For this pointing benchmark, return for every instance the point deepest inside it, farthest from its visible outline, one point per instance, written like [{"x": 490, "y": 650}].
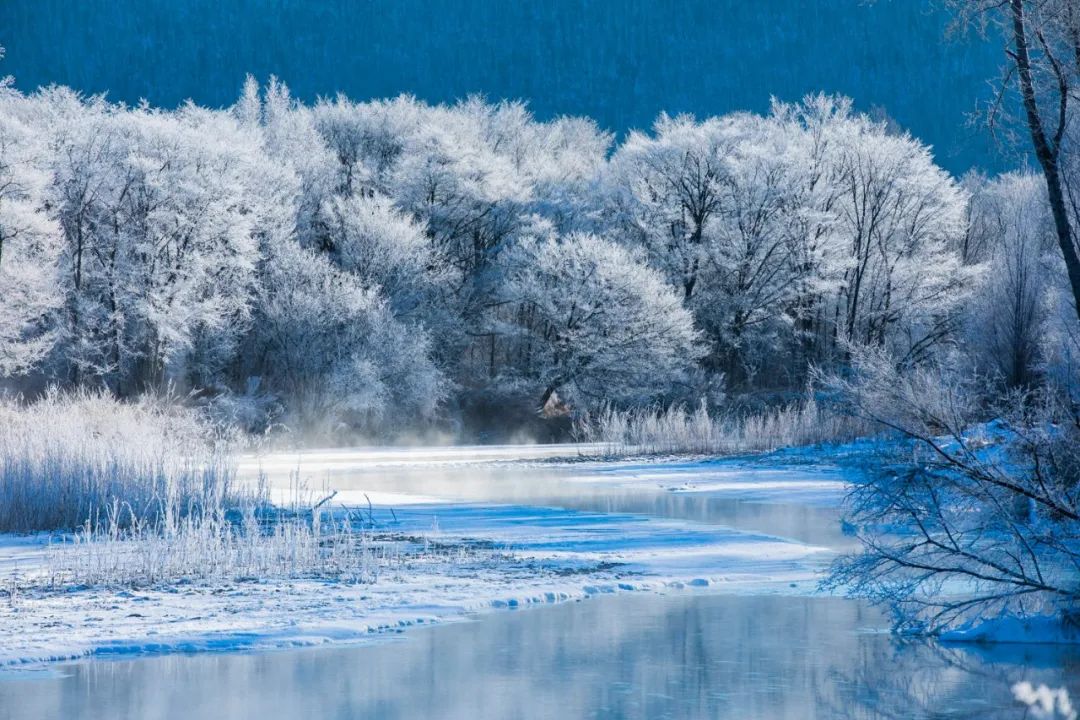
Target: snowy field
[{"x": 480, "y": 529}]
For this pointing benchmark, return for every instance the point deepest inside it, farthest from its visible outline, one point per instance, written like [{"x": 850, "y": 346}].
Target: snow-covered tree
[
  {"x": 1014, "y": 241},
  {"x": 29, "y": 244},
  {"x": 470, "y": 250},
  {"x": 597, "y": 323},
  {"x": 673, "y": 182},
  {"x": 160, "y": 235},
  {"x": 292, "y": 141},
  {"x": 1042, "y": 50},
  {"x": 992, "y": 511},
  {"x": 385, "y": 249},
  {"x": 334, "y": 349},
  {"x": 438, "y": 163},
  {"x": 899, "y": 215},
  {"x": 810, "y": 225},
  {"x": 755, "y": 249}
]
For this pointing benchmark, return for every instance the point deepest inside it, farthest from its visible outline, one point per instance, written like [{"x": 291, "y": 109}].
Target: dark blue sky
[{"x": 619, "y": 61}]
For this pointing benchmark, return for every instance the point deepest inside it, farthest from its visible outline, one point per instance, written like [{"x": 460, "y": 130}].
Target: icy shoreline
[
  {"x": 534, "y": 555},
  {"x": 235, "y": 617}
]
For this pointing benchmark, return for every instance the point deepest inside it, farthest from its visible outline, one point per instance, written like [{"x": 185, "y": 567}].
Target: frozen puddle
[{"x": 508, "y": 533}]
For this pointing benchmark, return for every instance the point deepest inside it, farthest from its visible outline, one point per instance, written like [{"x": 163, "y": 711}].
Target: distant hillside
[{"x": 619, "y": 61}]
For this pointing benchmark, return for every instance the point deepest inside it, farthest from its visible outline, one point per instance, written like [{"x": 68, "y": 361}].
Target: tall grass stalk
[{"x": 257, "y": 545}]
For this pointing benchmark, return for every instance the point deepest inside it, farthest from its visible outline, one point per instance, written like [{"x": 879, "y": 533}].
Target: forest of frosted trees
[
  {"x": 391, "y": 265},
  {"x": 393, "y": 269}
]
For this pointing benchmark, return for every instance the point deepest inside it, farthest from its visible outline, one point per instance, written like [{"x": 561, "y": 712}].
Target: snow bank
[
  {"x": 1014, "y": 629},
  {"x": 531, "y": 556}
]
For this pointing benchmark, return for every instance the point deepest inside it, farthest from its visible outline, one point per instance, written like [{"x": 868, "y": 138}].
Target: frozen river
[{"x": 727, "y": 623}]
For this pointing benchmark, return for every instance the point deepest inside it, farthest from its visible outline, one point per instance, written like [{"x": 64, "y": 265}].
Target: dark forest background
[{"x": 620, "y": 62}]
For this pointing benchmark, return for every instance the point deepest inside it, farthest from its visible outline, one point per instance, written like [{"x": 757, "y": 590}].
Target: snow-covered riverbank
[{"x": 462, "y": 554}]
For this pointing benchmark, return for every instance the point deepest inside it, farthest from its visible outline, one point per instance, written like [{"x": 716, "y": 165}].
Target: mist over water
[{"x": 519, "y": 475}]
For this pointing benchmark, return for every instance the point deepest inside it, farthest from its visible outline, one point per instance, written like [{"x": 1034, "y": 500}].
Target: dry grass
[
  {"x": 680, "y": 430},
  {"x": 67, "y": 459},
  {"x": 146, "y": 493}
]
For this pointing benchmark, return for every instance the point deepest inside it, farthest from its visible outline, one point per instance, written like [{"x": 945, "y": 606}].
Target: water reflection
[
  {"x": 631, "y": 656},
  {"x": 929, "y": 680}
]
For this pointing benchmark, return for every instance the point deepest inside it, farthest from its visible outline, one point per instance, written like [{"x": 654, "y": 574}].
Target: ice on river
[{"x": 543, "y": 544}]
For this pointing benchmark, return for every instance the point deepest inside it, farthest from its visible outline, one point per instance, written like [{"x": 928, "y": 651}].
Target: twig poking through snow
[{"x": 325, "y": 500}]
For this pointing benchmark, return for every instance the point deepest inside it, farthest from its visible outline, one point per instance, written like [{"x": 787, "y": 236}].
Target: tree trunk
[
  {"x": 548, "y": 392},
  {"x": 1044, "y": 152}
]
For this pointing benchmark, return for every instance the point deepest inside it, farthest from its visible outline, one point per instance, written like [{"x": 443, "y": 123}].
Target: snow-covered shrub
[
  {"x": 978, "y": 514},
  {"x": 253, "y": 412}
]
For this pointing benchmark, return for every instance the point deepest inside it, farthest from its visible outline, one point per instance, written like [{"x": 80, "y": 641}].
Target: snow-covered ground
[{"x": 501, "y": 536}]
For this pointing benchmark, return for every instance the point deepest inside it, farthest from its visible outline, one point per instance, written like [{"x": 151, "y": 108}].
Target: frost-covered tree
[
  {"x": 386, "y": 250},
  {"x": 596, "y": 322},
  {"x": 438, "y": 163},
  {"x": 160, "y": 235},
  {"x": 470, "y": 251},
  {"x": 334, "y": 350},
  {"x": 475, "y": 177},
  {"x": 346, "y": 291},
  {"x": 898, "y": 216},
  {"x": 1013, "y": 233},
  {"x": 29, "y": 244},
  {"x": 811, "y": 226},
  {"x": 755, "y": 248},
  {"x": 719, "y": 206},
  {"x": 1043, "y": 54},
  {"x": 673, "y": 184},
  {"x": 291, "y": 140},
  {"x": 470, "y": 172},
  {"x": 983, "y": 521}
]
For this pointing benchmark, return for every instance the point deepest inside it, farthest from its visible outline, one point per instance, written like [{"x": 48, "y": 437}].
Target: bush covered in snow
[{"x": 978, "y": 514}]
